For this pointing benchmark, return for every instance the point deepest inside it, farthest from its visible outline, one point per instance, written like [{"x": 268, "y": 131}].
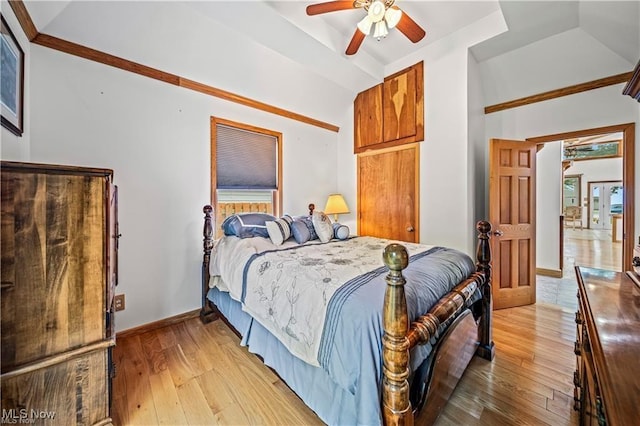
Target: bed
[{"x": 364, "y": 330}]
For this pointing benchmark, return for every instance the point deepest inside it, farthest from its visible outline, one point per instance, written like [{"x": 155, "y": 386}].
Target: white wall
[
  {"x": 548, "y": 206},
  {"x": 12, "y": 147},
  {"x": 478, "y": 147},
  {"x": 562, "y": 60},
  {"x": 156, "y": 137},
  {"x": 448, "y": 202},
  {"x": 565, "y": 59},
  {"x": 210, "y": 50}
]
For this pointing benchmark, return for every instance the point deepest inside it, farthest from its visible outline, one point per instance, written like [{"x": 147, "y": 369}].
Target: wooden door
[
  {"x": 388, "y": 193},
  {"x": 512, "y": 207}
]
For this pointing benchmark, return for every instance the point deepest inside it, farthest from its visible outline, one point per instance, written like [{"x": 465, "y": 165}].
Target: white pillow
[
  {"x": 322, "y": 226},
  {"x": 279, "y": 230}
]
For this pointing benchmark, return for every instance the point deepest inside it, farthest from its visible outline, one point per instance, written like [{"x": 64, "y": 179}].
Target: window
[
  {"x": 608, "y": 149},
  {"x": 572, "y": 190},
  {"x": 246, "y": 169}
]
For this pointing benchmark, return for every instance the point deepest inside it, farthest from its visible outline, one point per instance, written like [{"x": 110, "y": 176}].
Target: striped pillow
[{"x": 280, "y": 229}]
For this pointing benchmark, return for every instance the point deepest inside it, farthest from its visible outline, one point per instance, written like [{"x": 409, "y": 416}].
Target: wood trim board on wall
[
  {"x": 85, "y": 52},
  {"x": 557, "y": 93},
  {"x": 159, "y": 324}
]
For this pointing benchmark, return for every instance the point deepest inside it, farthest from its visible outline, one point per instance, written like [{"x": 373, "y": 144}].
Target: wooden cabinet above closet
[{"x": 391, "y": 113}]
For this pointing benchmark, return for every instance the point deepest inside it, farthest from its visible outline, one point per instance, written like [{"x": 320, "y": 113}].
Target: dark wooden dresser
[
  {"x": 607, "y": 378},
  {"x": 58, "y": 269}
]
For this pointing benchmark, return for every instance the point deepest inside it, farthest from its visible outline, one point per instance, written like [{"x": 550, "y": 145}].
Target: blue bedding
[{"x": 345, "y": 389}]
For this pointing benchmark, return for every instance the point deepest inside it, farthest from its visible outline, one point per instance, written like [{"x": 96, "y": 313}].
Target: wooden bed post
[
  {"x": 486, "y": 349},
  {"x": 396, "y": 407},
  {"x": 207, "y": 314}
]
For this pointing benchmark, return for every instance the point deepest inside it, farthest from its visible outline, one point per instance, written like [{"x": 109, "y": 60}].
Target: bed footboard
[{"x": 398, "y": 338}]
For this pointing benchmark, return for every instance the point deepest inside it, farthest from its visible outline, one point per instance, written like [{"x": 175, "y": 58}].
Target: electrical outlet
[{"x": 118, "y": 302}]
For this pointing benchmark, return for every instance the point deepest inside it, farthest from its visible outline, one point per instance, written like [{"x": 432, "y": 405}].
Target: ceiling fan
[{"x": 381, "y": 15}]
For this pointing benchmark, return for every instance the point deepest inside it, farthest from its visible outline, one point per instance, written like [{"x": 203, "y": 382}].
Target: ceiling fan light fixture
[
  {"x": 365, "y": 25},
  {"x": 376, "y": 11},
  {"x": 381, "y": 30},
  {"x": 392, "y": 17}
]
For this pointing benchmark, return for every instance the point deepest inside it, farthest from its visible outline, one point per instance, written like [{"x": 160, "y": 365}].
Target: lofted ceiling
[{"x": 319, "y": 42}]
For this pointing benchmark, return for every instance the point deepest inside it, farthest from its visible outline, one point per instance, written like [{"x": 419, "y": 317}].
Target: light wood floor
[
  {"x": 195, "y": 374},
  {"x": 591, "y": 247},
  {"x": 582, "y": 247}
]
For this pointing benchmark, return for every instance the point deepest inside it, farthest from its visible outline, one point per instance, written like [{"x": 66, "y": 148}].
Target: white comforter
[{"x": 288, "y": 287}]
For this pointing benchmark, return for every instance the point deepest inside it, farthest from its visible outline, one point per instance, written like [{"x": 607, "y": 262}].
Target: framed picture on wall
[{"x": 12, "y": 80}]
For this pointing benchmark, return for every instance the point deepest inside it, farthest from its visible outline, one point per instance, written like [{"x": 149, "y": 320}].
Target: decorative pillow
[
  {"x": 280, "y": 229},
  {"x": 322, "y": 225},
  {"x": 340, "y": 232},
  {"x": 247, "y": 225},
  {"x": 300, "y": 232}
]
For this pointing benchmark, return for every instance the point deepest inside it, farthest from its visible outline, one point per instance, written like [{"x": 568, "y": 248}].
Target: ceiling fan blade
[
  {"x": 329, "y": 6},
  {"x": 410, "y": 28},
  {"x": 356, "y": 41}
]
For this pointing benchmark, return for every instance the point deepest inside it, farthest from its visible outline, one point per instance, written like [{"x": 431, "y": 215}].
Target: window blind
[{"x": 245, "y": 159}]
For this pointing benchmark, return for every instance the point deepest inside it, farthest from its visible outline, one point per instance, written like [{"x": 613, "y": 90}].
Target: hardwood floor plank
[
  {"x": 195, "y": 405},
  {"x": 178, "y": 365},
  {"x": 492, "y": 417},
  {"x": 183, "y": 333},
  {"x": 153, "y": 352},
  {"x": 536, "y": 346},
  {"x": 512, "y": 384},
  {"x": 166, "y": 337},
  {"x": 512, "y": 415},
  {"x": 453, "y": 415},
  {"x": 194, "y": 373},
  {"x": 561, "y": 403},
  {"x": 216, "y": 390},
  {"x": 541, "y": 374},
  {"x": 509, "y": 405},
  {"x": 134, "y": 389},
  {"x": 307, "y": 416},
  {"x": 165, "y": 398}
]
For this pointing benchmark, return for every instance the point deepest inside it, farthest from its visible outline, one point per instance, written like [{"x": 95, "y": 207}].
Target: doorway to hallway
[{"x": 605, "y": 245}]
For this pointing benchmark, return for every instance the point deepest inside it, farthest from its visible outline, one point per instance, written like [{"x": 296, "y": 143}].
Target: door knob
[
  {"x": 410, "y": 228},
  {"x": 497, "y": 233}
]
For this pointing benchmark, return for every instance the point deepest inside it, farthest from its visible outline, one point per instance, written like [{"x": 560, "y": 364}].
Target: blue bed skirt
[
  {"x": 313, "y": 385},
  {"x": 346, "y": 389}
]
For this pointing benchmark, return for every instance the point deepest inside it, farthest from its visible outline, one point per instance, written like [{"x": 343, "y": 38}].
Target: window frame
[
  {"x": 618, "y": 153},
  {"x": 277, "y": 193}
]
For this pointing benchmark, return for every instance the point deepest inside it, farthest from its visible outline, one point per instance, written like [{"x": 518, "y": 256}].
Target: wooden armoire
[{"x": 59, "y": 269}]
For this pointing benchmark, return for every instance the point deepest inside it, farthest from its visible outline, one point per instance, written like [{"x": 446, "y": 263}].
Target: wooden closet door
[{"x": 388, "y": 193}]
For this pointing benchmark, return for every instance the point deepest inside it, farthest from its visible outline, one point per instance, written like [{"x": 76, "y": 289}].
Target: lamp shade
[{"x": 336, "y": 205}]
